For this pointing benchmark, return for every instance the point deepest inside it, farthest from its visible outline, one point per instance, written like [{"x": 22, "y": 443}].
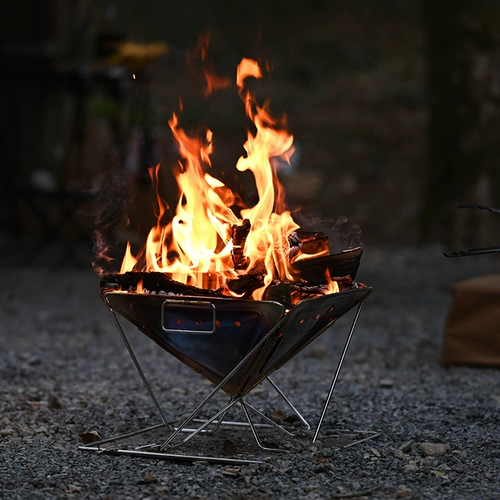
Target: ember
[{"x": 207, "y": 248}]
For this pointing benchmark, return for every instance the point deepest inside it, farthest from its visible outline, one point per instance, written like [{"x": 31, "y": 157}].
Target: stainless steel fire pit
[
  {"x": 234, "y": 343},
  {"x": 233, "y": 291}
]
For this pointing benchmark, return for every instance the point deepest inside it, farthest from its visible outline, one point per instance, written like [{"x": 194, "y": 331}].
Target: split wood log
[
  {"x": 152, "y": 281},
  {"x": 308, "y": 243},
  {"x": 314, "y": 270},
  {"x": 279, "y": 291},
  {"x": 239, "y": 233},
  {"x": 245, "y": 284}
]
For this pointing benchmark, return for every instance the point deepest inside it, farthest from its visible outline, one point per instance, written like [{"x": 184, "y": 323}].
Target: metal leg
[
  {"x": 195, "y": 412},
  {"x": 337, "y": 372},
  {"x": 126, "y": 435},
  {"x": 168, "y": 442},
  {"x": 267, "y": 419},
  {"x": 289, "y": 403},
  {"x": 221, "y": 384},
  {"x": 219, "y": 416},
  {"x": 219, "y": 422},
  {"x": 245, "y": 407},
  {"x": 138, "y": 366}
]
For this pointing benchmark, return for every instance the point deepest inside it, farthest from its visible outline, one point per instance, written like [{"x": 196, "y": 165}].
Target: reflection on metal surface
[{"x": 212, "y": 335}]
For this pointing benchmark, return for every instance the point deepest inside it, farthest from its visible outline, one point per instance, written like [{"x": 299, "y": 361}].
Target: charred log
[
  {"x": 307, "y": 242},
  {"x": 239, "y": 235},
  {"x": 258, "y": 269},
  {"x": 313, "y": 270},
  {"x": 245, "y": 284},
  {"x": 153, "y": 282},
  {"x": 343, "y": 282},
  {"x": 312, "y": 274},
  {"x": 285, "y": 292},
  {"x": 301, "y": 291},
  {"x": 279, "y": 291}
]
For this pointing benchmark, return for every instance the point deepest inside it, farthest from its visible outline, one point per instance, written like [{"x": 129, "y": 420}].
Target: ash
[{"x": 64, "y": 372}]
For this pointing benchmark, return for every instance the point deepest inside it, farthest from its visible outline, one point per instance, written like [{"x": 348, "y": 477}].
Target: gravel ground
[{"x": 64, "y": 371}]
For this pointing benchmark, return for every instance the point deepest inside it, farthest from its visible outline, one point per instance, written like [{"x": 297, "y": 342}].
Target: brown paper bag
[{"x": 472, "y": 329}]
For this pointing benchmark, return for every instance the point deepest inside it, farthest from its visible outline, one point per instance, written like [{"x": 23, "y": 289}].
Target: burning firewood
[
  {"x": 339, "y": 264},
  {"x": 151, "y": 282},
  {"x": 245, "y": 284},
  {"x": 239, "y": 236},
  {"x": 279, "y": 291},
  {"x": 284, "y": 292},
  {"x": 304, "y": 243},
  {"x": 304, "y": 290}
]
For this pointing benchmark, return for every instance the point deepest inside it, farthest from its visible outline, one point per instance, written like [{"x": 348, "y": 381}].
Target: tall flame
[
  {"x": 196, "y": 246},
  {"x": 213, "y": 80},
  {"x": 271, "y": 224}
]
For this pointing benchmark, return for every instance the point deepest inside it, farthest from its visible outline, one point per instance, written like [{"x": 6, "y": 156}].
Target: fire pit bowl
[
  {"x": 212, "y": 335},
  {"x": 208, "y": 334}
]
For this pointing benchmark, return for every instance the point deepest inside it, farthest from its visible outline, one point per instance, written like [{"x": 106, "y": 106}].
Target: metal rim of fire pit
[{"x": 268, "y": 354}]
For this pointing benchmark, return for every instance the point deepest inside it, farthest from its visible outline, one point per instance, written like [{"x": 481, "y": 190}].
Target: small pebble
[
  {"x": 406, "y": 446},
  {"x": 386, "y": 383}
]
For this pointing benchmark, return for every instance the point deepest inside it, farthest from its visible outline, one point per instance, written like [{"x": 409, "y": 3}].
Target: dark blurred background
[{"x": 394, "y": 106}]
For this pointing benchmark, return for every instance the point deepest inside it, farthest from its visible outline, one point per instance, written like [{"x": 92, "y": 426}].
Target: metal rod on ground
[
  {"x": 266, "y": 418},
  {"x": 125, "y": 436},
  {"x": 254, "y": 431},
  {"x": 171, "y": 456},
  {"x": 168, "y": 442}
]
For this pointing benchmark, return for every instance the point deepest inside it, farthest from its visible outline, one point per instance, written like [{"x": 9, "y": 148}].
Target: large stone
[{"x": 433, "y": 449}]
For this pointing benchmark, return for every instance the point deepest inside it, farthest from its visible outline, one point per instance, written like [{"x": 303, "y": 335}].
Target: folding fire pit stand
[{"x": 234, "y": 343}]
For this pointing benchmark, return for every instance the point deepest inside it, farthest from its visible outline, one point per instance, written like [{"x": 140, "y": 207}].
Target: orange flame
[
  {"x": 196, "y": 246},
  {"x": 333, "y": 286},
  {"x": 213, "y": 80},
  {"x": 271, "y": 224},
  {"x": 129, "y": 261}
]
